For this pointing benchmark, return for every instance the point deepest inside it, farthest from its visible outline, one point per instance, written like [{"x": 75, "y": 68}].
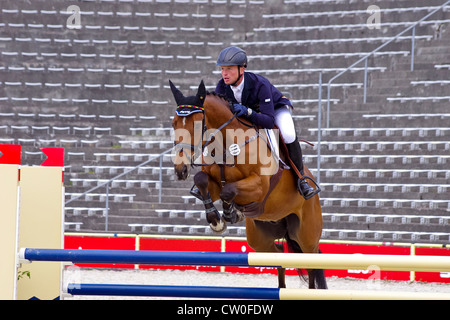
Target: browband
[{"x": 185, "y": 110}]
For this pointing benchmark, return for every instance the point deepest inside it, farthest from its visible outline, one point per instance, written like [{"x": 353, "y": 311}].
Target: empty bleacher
[{"x": 100, "y": 90}]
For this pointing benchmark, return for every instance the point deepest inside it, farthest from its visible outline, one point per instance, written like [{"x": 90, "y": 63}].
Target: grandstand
[{"x": 100, "y": 90}]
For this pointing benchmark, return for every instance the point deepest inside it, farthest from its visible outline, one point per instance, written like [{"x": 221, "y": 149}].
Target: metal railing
[
  {"x": 107, "y": 184},
  {"x": 365, "y": 58},
  {"x": 319, "y": 131}
]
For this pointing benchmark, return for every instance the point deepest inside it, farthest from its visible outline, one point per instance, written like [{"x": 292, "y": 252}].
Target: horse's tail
[
  {"x": 293, "y": 247},
  {"x": 317, "y": 274}
]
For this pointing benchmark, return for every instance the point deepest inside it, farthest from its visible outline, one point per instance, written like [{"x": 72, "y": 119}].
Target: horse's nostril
[{"x": 182, "y": 172}]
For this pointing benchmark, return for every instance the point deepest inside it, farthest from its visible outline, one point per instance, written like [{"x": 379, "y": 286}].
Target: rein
[{"x": 201, "y": 147}]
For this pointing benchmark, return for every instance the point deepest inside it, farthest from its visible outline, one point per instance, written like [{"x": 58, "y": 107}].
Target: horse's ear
[
  {"x": 201, "y": 92},
  {"x": 177, "y": 94}
]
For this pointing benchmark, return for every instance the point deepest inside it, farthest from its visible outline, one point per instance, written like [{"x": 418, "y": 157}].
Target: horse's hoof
[{"x": 218, "y": 227}]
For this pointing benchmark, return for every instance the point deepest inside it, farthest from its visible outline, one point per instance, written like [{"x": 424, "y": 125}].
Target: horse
[{"x": 270, "y": 203}]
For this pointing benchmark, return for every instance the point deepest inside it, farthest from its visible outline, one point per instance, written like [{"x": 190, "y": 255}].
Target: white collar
[
  {"x": 240, "y": 86},
  {"x": 237, "y": 90}
]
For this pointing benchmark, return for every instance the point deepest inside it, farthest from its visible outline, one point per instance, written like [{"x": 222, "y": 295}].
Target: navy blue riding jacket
[{"x": 260, "y": 95}]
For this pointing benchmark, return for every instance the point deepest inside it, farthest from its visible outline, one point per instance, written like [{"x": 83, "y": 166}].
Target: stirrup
[{"x": 312, "y": 194}]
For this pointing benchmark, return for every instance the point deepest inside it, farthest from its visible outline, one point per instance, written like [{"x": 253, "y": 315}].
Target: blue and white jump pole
[
  {"x": 244, "y": 292},
  {"x": 285, "y": 260}
]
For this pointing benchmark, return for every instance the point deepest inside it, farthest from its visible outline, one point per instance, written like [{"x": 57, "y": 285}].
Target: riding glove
[{"x": 240, "y": 110}]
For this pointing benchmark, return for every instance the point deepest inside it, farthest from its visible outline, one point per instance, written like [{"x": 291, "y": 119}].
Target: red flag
[
  {"x": 55, "y": 157},
  {"x": 10, "y": 153}
]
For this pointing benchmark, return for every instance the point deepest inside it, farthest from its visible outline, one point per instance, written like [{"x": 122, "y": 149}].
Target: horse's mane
[
  {"x": 229, "y": 104},
  {"x": 219, "y": 95}
]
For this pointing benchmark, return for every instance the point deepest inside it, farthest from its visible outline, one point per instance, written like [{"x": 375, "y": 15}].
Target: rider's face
[{"x": 231, "y": 73}]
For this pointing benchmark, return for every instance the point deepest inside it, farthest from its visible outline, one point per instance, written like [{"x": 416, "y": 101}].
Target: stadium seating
[{"x": 100, "y": 90}]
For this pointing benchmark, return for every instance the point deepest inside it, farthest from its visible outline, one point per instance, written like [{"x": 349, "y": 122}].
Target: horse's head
[{"x": 187, "y": 125}]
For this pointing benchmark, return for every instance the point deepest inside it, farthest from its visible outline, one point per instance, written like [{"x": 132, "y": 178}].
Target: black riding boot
[{"x": 295, "y": 153}]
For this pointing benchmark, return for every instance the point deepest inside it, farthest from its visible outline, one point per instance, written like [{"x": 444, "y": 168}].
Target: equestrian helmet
[{"x": 232, "y": 56}]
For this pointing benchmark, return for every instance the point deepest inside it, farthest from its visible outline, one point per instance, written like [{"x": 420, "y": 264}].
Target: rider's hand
[{"x": 240, "y": 110}]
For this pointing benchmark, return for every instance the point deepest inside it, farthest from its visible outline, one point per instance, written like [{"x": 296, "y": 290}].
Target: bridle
[
  {"x": 180, "y": 146},
  {"x": 199, "y": 148}
]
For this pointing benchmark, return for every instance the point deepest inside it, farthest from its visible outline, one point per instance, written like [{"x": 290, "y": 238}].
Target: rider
[{"x": 256, "y": 99}]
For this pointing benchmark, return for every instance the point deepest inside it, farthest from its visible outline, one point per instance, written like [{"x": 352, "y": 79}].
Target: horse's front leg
[
  {"x": 206, "y": 188},
  {"x": 230, "y": 214},
  {"x": 246, "y": 191}
]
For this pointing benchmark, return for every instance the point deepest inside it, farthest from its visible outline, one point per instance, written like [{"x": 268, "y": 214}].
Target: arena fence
[{"x": 108, "y": 183}]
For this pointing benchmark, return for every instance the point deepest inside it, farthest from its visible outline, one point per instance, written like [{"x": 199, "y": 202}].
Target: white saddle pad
[{"x": 272, "y": 139}]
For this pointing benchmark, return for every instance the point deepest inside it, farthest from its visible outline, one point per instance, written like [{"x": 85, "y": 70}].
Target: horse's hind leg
[
  {"x": 262, "y": 239},
  {"x": 212, "y": 214},
  {"x": 308, "y": 236},
  {"x": 230, "y": 213},
  {"x": 317, "y": 279},
  {"x": 281, "y": 271}
]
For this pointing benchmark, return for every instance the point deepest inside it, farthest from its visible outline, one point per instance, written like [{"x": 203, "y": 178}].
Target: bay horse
[{"x": 271, "y": 204}]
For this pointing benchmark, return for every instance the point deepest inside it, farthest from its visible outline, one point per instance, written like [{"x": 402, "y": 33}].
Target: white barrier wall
[
  {"x": 32, "y": 214},
  {"x": 9, "y": 184},
  {"x": 41, "y": 224}
]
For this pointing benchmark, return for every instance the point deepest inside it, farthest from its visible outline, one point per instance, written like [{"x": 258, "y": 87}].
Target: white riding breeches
[{"x": 284, "y": 121}]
